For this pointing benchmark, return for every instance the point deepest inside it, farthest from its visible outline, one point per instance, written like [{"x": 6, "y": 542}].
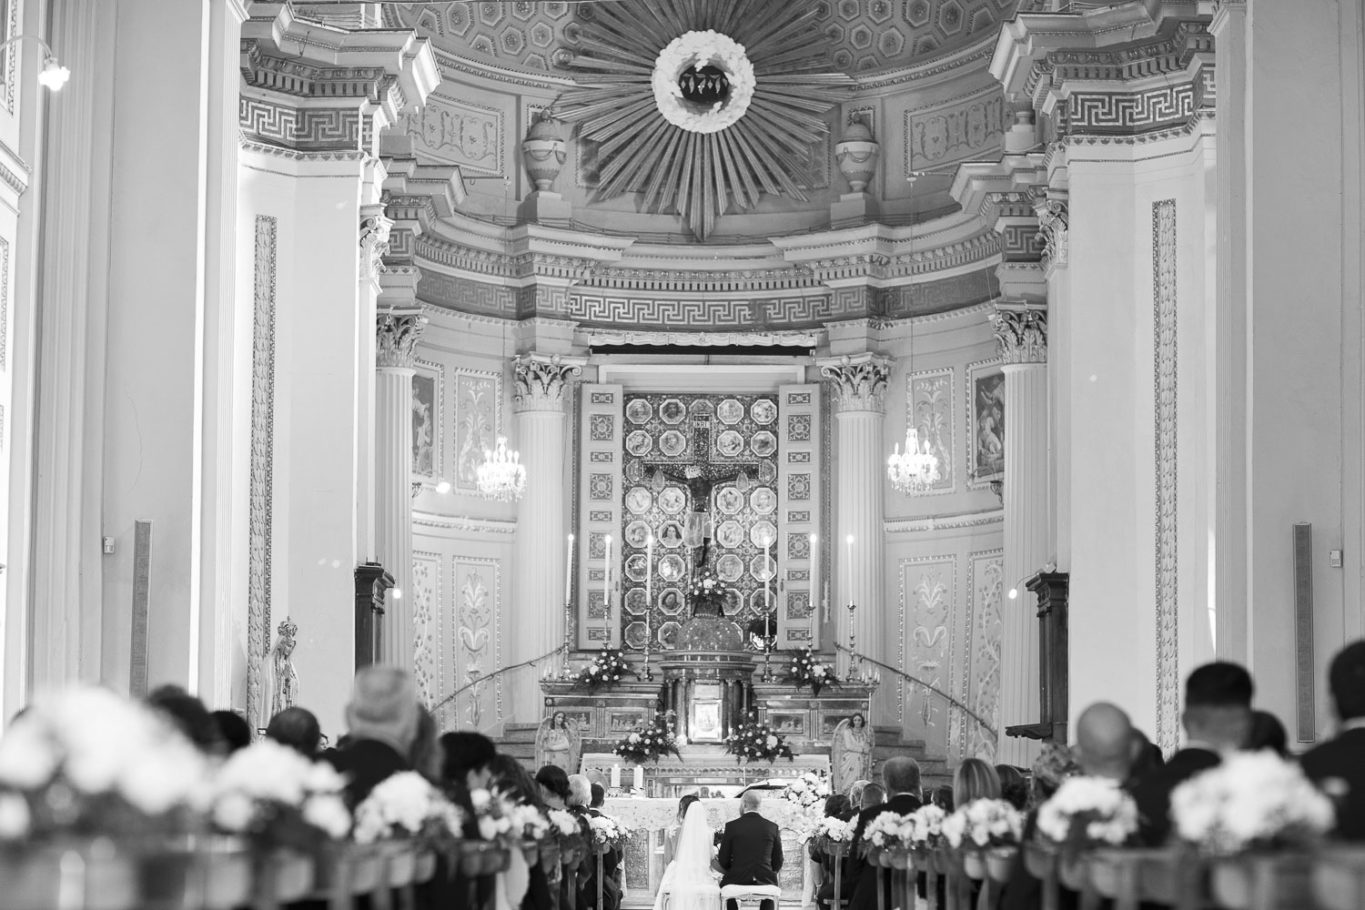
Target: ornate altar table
[{"x": 701, "y": 768}]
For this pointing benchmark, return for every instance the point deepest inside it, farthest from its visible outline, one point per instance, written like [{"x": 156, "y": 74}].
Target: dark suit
[
  {"x": 365, "y": 763},
  {"x": 750, "y": 852},
  {"x": 1342, "y": 758},
  {"x": 1152, "y": 792},
  {"x": 611, "y": 878},
  {"x": 864, "y": 876}
]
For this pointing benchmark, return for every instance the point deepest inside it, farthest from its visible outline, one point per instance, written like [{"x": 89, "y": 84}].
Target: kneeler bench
[{"x": 750, "y": 897}]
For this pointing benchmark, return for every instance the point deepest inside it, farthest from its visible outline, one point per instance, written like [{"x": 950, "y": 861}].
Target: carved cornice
[
  {"x": 1021, "y": 331},
  {"x": 859, "y": 381},
  {"x": 595, "y": 337},
  {"x": 478, "y": 526},
  {"x": 396, "y": 339},
  {"x": 1051, "y": 208},
  {"x": 943, "y": 522},
  {"x": 539, "y": 381}
]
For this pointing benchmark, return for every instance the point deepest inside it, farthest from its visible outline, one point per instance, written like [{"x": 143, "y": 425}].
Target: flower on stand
[
  {"x": 926, "y": 826},
  {"x": 495, "y": 817},
  {"x": 86, "y": 761},
  {"x": 888, "y": 831},
  {"x": 277, "y": 798},
  {"x": 1088, "y": 812},
  {"x": 649, "y": 742},
  {"x": 807, "y": 671},
  {"x": 607, "y": 833},
  {"x": 1252, "y": 800},
  {"x": 706, "y": 592},
  {"x": 563, "y": 823},
  {"x": 605, "y": 671},
  {"x": 984, "y": 823},
  {"x": 833, "y": 829},
  {"x": 754, "y": 741},
  {"x": 406, "y": 805},
  {"x": 808, "y": 794}
]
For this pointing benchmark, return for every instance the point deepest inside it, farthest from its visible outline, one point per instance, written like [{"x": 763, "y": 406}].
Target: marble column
[
  {"x": 859, "y": 410},
  {"x": 539, "y": 552},
  {"x": 1021, "y": 330},
  {"x": 396, "y": 342}
]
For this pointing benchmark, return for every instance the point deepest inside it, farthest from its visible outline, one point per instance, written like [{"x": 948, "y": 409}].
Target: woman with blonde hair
[{"x": 975, "y": 779}]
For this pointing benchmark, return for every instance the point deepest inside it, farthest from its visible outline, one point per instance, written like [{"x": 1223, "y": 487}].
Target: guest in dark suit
[
  {"x": 1217, "y": 719},
  {"x": 750, "y": 848},
  {"x": 901, "y": 778},
  {"x": 1338, "y": 765},
  {"x": 1052, "y": 766},
  {"x": 836, "y": 806},
  {"x": 611, "y": 863},
  {"x": 381, "y": 723}
]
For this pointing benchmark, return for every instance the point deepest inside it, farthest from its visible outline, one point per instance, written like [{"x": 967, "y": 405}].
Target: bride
[{"x": 688, "y": 883}]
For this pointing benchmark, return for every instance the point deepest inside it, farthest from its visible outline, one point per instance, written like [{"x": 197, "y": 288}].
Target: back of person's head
[
  {"x": 1346, "y": 679},
  {"x": 750, "y": 801},
  {"x": 1013, "y": 785},
  {"x": 383, "y": 707},
  {"x": 901, "y": 775},
  {"x": 942, "y": 796},
  {"x": 1218, "y": 705},
  {"x": 975, "y": 779},
  {"x": 685, "y": 802},
  {"x": 296, "y": 728},
  {"x": 855, "y": 791},
  {"x": 1053, "y": 765},
  {"x": 511, "y": 778},
  {"x": 1104, "y": 741},
  {"x": 1267, "y": 733},
  {"x": 837, "y": 806},
  {"x": 1146, "y": 756},
  {"x": 555, "y": 781},
  {"x": 599, "y": 795},
  {"x": 233, "y": 730},
  {"x": 188, "y": 714},
  {"x": 466, "y": 758},
  {"x": 873, "y": 795},
  {"x": 425, "y": 754},
  {"x": 580, "y": 791}
]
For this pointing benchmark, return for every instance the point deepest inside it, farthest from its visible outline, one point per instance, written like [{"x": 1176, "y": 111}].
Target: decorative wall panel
[
  {"x": 965, "y": 128},
  {"x": 456, "y": 132},
  {"x": 798, "y": 623},
  {"x": 985, "y": 423},
  {"x": 932, "y": 405},
  {"x": 601, "y": 463},
  {"x": 981, "y": 687},
  {"x": 428, "y": 425},
  {"x": 927, "y": 594},
  {"x": 471, "y": 632},
  {"x": 478, "y": 423},
  {"x": 1164, "y": 381},
  {"x": 262, "y": 460},
  {"x": 426, "y": 605}
]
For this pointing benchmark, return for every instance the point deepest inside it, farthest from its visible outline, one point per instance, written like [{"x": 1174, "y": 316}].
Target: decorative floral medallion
[{"x": 703, "y": 82}]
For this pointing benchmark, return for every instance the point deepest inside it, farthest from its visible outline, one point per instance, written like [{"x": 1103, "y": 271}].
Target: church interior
[{"x": 690, "y": 395}]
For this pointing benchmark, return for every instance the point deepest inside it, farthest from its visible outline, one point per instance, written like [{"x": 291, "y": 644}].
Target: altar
[{"x": 701, "y": 769}]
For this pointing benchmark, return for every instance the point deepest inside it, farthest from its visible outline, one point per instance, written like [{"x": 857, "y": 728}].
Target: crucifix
[{"x": 701, "y": 478}]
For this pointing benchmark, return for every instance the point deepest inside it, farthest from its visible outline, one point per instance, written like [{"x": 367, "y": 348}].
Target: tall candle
[
  {"x": 649, "y": 585},
  {"x": 606, "y": 576},
  {"x": 767, "y": 584},
  {"x": 568, "y": 572},
  {"x": 639, "y": 778},
  {"x": 616, "y": 777},
  {"x": 814, "y": 571},
  {"x": 848, "y": 567}
]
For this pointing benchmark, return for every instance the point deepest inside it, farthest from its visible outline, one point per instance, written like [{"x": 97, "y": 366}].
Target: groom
[{"x": 750, "y": 849}]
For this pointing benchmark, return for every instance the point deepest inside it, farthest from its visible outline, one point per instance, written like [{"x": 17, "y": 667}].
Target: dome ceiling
[{"x": 863, "y": 35}]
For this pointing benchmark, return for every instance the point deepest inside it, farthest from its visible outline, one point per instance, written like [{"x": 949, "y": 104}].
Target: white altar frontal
[
  {"x": 706, "y": 770},
  {"x": 649, "y": 818}
]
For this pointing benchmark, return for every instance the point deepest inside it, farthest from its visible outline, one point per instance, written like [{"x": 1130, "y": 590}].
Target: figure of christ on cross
[{"x": 701, "y": 479}]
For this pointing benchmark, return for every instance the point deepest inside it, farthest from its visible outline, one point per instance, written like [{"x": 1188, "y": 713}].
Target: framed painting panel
[
  {"x": 788, "y": 723},
  {"x": 621, "y": 721},
  {"x": 985, "y": 423},
  {"x": 428, "y": 394}
]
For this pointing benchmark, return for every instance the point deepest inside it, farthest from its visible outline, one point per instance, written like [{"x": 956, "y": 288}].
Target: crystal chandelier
[
  {"x": 501, "y": 475},
  {"x": 916, "y": 469}
]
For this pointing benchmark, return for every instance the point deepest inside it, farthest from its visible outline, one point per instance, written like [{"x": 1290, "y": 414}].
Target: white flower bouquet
[
  {"x": 926, "y": 826},
  {"x": 406, "y": 805},
  {"x": 494, "y": 816},
  {"x": 758, "y": 742},
  {"x": 834, "y": 829},
  {"x": 984, "y": 823},
  {"x": 86, "y": 761},
  {"x": 563, "y": 823},
  {"x": 275, "y": 797},
  {"x": 1252, "y": 800},
  {"x": 1088, "y": 812},
  {"x": 888, "y": 831},
  {"x": 807, "y": 671},
  {"x": 808, "y": 794},
  {"x": 607, "y": 833}
]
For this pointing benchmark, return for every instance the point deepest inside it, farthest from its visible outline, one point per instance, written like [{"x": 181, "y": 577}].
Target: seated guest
[
  {"x": 855, "y": 793},
  {"x": 1013, "y": 786},
  {"x": 554, "y": 786},
  {"x": 836, "y": 806},
  {"x": 466, "y": 766},
  {"x": 611, "y": 863},
  {"x": 900, "y": 775},
  {"x": 873, "y": 795},
  {"x": 381, "y": 723},
  {"x": 298, "y": 729},
  {"x": 233, "y": 731},
  {"x": 1146, "y": 755},
  {"x": 188, "y": 714},
  {"x": 942, "y": 796},
  {"x": 750, "y": 849},
  {"x": 1267, "y": 733},
  {"x": 1217, "y": 719},
  {"x": 1338, "y": 765},
  {"x": 975, "y": 779},
  {"x": 514, "y": 782}
]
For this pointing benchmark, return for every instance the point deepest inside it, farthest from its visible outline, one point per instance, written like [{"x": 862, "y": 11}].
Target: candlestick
[
  {"x": 814, "y": 572},
  {"x": 568, "y": 572},
  {"x": 649, "y": 599},
  {"x": 767, "y": 590},
  {"x": 848, "y": 569}
]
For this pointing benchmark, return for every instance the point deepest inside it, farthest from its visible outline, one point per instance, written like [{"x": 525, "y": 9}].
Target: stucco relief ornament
[
  {"x": 1021, "y": 333},
  {"x": 711, "y": 65},
  {"x": 860, "y": 383},
  {"x": 1053, "y": 226},
  {"x": 396, "y": 339},
  {"x": 540, "y": 381},
  {"x": 374, "y": 244}
]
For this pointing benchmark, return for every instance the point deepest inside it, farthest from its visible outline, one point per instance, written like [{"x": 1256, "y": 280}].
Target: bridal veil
[{"x": 688, "y": 883}]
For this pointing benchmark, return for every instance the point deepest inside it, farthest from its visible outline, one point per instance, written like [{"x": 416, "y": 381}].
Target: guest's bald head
[
  {"x": 1104, "y": 737},
  {"x": 750, "y": 801}
]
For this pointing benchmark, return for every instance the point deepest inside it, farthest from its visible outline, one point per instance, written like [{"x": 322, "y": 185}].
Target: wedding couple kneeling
[{"x": 750, "y": 854}]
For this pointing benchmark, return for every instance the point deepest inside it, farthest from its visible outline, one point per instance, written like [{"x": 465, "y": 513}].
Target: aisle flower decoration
[
  {"x": 405, "y": 805},
  {"x": 888, "y": 831},
  {"x": 1253, "y": 800},
  {"x": 649, "y": 742},
  {"x": 562, "y": 823},
  {"x": 807, "y": 671},
  {"x": 605, "y": 671},
  {"x": 607, "y": 833},
  {"x": 277, "y": 798},
  {"x": 706, "y": 592},
  {"x": 496, "y": 817},
  {"x": 754, "y": 741},
  {"x": 984, "y": 823},
  {"x": 808, "y": 793},
  {"x": 86, "y": 761},
  {"x": 926, "y": 826},
  {"x": 1088, "y": 812},
  {"x": 833, "y": 829}
]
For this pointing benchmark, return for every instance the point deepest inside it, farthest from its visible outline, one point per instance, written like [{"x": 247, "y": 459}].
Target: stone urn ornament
[
  {"x": 857, "y": 155},
  {"x": 543, "y": 151}
]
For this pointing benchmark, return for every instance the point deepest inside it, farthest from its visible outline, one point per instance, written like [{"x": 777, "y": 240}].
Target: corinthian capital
[
  {"x": 859, "y": 381},
  {"x": 1053, "y": 225},
  {"x": 539, "y": 381},
  {"x": 374, "y": 240},
  {"x": 396, "y": 337},
  {"x": 1021, "y": 330}
]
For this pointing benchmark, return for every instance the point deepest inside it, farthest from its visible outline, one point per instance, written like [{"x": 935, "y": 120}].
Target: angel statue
[
  {"x": 558, "y": 743},
  {"x": 851, "y": 752},
  {"x": 281, "y": 678}
]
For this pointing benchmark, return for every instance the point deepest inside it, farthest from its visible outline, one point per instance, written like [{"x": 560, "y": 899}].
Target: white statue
[
  {"x": 851, "y": 752},
  {"x": 281, "y": 679},
  {"x": 558, "y": 743}
]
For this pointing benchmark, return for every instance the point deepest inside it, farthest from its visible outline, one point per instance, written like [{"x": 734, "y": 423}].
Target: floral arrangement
[
  {"x": 694, "y": 50},
  {"x": 1251, "y": 800},
  {"x": 649, "y": 742},
  {"x": 888, "y": 831},
  {"x": 607, "y": 833},
  {"x": 406, "y": 805},
  {"x": 1087, "y": 812},
  {"x": 756, "y": 741},
  {"x": 807, "y": 671},
  {"x": 927, "y": 826},
  {"x": 276, "y": 797},
  {"x": 808, "y": 793},
  {"x": 984, "y": 823},
  {"x": 86, "y": 760},
  {"x": 833, "y": 829},
  {"x": 563, "y": 823},
  {"x": 705, "y": 591},
  {"x": 497, "y": 818},
  {"x": 605, "y": 671}
]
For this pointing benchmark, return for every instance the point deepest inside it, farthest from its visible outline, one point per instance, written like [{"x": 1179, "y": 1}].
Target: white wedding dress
[{"x": 688, "y": 882}]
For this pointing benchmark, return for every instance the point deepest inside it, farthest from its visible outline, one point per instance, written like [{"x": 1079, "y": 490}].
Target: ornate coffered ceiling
[{"x": 862, "y": 36}]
